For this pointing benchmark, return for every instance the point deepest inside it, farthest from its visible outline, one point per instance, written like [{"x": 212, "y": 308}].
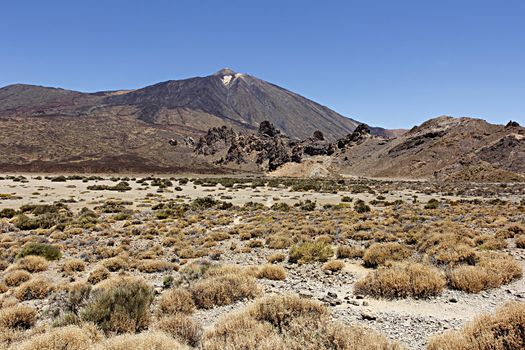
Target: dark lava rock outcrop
[{"x": 268, "y": 148}]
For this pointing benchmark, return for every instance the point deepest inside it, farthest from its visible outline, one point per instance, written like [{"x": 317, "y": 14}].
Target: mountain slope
[
  {"x": 224, "y": 98},
  {"x": 440, "y": 148},
  {"x": 43, "y": 127}
]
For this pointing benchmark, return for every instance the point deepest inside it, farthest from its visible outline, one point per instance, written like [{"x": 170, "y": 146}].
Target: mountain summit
[
  {"x": 48, "y": 128},
  {"x": 195, "y": 104}
]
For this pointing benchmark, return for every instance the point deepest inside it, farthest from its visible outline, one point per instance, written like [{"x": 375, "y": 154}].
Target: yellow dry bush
[
  {"x": 271, "y": 272},
  {"x": 223, "y": 290},
  {"x": 99, "y": 274},
  {"x": 151, "y": 266},
  {"x": 380, "y": 253},
  {"x": 69, "y": 337},
  {"x": 501, "y": 331},
  {"x": 16, "y": 277},
  {"x": 349, "y": 252},
  {"x": 489, "y": 242},
  {"x": 279, "y": 310},
  {"x": 242, "y": 332},
  {"x": 492, "y": 271},
  {"x": 520, "y": 241},
  {"x": 142, "y": 341},
  {"x": 401, "y": 280},
  {"x": 37, "y": 288},
  {"x": 17, "y": 317},
  {"x": 177, "y": 300},
  {"x": 276, "y": 257},
  {"x": 73, "y": 265},
  {"x": 278, "y": 241},
  {"x": 182, "y": 328},
  {"x": 449, "y": 248},
  {"x": 283, "y": 322},
  {"x": 115, "y": 264},
  {"x": 33, "y": 263},
  {"x": 333, "y": 265}
]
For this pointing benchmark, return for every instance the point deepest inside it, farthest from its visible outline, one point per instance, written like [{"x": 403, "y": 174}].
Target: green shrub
[
  {"x": 120, "y": 305},
  {"x": 40, "y": 249},
  {"x": 361, "y": 207},
  {"x": 204, "y": 203},
  {"x": 310, "y": 251},
  {"x": 432, "y": 204},
  {"x": 7, "y": 213}
]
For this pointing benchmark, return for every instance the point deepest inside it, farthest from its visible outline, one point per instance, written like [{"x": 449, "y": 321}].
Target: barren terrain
[{"x": 408, "y": 259}]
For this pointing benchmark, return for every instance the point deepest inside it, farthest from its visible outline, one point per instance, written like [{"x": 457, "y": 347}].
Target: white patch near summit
[{"x": 226, "y": 79}]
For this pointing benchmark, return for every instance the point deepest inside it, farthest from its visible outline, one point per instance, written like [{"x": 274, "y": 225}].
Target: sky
[{"x": 388, "y": 63}]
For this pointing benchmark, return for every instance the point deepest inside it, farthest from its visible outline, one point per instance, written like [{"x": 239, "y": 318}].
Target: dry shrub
[
  {"x": 333, "y": 265},
  {"x": 511, "y": 231},
  {"x": 148, "y": 340},
  {"x": 69, "y": 337},
  {"x": 223, "y": 290},
  {"x": 255, "y": 243},
  {"x": 278, "y": 241},
  {"x": 276, "y": 257},
  {"x": 73, "y": 265},
  {"x": 289, "y": 322},
  {"x": 176, "y": 300},
  {"x": 17, "y": 317},
  {"x": 33, "y": 263},
  {"x": 241, "y": 332},
  {"x": 38, "y": 288},
  {"x": 115, "y": 264},
  {"x": 182, "y": 328},
  {"x": 489, "y": 242},
  {"x": 309, "y": 252},
  {"x": 279, "y": 310},
  {"x": 271, "y": 272},
  {"x": 448, "y": 248},
  {"x": 151, "y": 266},
  {"x": 520, "y": 241},
  {"x": 402, "y": 280},
  {"x": 501, "y": 331},
  {"x": 16, "y": 277},
  {"x": 349, "y": 252},
  {"x": 380, "y": 253},
  {"x": 99, "y": 274},
  {"x": 492, "y": 271},
  {"x": 311, "y": 334},
  {"x": 120, "y": 305},
  {"x": 218, "y": 236},
  {"x": 77, "y": 296},
  {"x": 3, "y": 287}
]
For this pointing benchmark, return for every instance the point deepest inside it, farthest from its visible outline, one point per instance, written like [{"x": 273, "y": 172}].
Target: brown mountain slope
[
  {"x": 224, "y": 98},
  {"x": 43, "y": 128},
  {"x": 444, "y": 148},
  {"x": 439, "y": 148}
]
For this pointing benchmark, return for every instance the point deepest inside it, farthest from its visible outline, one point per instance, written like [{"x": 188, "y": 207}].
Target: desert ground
[{"x": 160, "y": 262}]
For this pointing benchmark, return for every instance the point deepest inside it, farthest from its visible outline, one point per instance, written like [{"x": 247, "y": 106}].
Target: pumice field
[{"x": 242, "y": 263}]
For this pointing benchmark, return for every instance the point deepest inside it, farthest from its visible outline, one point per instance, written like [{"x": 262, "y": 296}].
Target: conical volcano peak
[{"x": 225, "y": 71}]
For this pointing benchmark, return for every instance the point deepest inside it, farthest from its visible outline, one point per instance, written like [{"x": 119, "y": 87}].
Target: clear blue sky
[{"x": 392, "y": 63}]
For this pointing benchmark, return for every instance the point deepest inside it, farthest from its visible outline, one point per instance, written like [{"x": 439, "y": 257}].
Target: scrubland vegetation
[{"x": 174, "y": 271}]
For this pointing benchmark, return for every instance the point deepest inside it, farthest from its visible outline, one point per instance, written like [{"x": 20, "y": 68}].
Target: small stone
[{"x": 366, "y": 315}]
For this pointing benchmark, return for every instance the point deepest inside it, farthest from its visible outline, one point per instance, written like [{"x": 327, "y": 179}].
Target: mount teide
[{"x": 55, "y": 129}]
